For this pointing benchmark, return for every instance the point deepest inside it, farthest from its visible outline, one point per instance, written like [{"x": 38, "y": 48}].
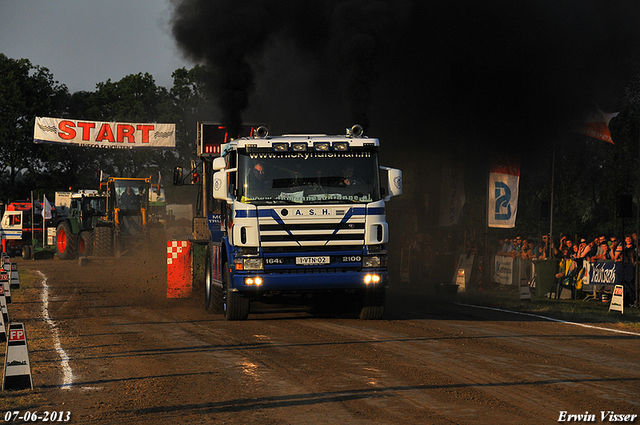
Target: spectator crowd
[{"x": 600, "y": 248}]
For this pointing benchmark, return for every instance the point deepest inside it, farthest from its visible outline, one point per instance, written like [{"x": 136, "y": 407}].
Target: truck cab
[
  {"x": 300, "y": 215},
  {"x": 20, "y": 225}
]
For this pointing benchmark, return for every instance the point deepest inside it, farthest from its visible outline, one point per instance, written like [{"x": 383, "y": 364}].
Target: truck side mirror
[
  {"x": 219, "y": 163},
  {"x": 393, "y": 182},
  {"x": 177, "y": 176}
]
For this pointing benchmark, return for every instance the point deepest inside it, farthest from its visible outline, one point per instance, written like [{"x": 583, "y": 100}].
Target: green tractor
[
  {"x": 75, "y": 230},
  {"x": 123, "y": 222}
]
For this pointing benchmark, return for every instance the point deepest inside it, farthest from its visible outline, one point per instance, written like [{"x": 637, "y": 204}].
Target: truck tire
[
  {"x": 371, "y": 304},
  {"x": 66, "y": 242},
  {"x": 213, "y": 302},
  {"x": 103, "y": 242},
  {"x": 85, "y": 244},
  {"x": 235, "y": 306}
]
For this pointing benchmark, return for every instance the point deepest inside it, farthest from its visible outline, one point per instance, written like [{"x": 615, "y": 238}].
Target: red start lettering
[
  {"x": 105, "y": 133},
  {"x": 67, "y": 131},
  {"x": 123, "y": 132},
  {"x": 145, "y": 129},
  {"x": 86, "y": 127}
]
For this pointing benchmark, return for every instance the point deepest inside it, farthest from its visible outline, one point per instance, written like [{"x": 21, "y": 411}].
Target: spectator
[
  {"x": 566, "y": 276},
  {"x": 535, "y": 251},
  {"x": 629, "y": 250},
  {"x": 545, "y": 248},
  {"x": 518, "y": 246},
  {"x": 591, "y": 250},
  {"x": 599, "y": 241},
  {"x": 574, "y": 254},
  {"x": 604, "y": 255},
  {"x": 525, "y": 250},
  {"x": 583, "y": 248},
  {"x": 616, "y": 251},
  {"x": 505, "y": 245}
]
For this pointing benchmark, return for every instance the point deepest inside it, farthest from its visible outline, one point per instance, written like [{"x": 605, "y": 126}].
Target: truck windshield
[{"x": 308, "y": 177}]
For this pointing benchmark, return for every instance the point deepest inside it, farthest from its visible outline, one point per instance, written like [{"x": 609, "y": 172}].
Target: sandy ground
[{"x": 108, "y": 347}]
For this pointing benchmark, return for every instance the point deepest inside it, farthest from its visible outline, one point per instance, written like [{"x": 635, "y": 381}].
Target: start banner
[{"x": 109, "y": 135}]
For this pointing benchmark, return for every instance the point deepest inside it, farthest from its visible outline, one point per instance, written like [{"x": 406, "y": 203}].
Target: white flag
[{"x": 46, "y": 211}]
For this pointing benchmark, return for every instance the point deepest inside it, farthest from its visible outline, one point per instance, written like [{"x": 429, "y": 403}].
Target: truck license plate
[{"x": 312, "y": 261}]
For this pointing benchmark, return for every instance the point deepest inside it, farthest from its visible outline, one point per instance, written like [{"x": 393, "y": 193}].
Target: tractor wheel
[
  {"x": 103, "y": 242},
  {"x": 85, "y": 244},
  {"x": 235, "y": 306},
  {"x": 26, "y": 252},
  {"x": 66, "y": 242}
]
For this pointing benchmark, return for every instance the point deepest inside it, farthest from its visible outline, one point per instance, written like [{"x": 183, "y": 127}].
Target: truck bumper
[{"x": 309, "y": 282}]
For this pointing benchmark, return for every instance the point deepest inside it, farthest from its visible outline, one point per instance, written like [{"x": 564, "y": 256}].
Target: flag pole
[
  {"x": 553, "y": 176},
  {"x": 637, "y": 271},
  {"x": 33, "y": 207},
  {"x": 44, "y": 219}
]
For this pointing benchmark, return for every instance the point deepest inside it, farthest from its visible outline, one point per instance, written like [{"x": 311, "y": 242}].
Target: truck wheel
[
  {"x": 85, "y": 244},
  {"x": 66, "y": 242},
  {"x": 371, "y": 304},
  {"x": 103, "y": 242},
  {"x": 212, "y": 293},
  {"x": 235, "y": 306}
]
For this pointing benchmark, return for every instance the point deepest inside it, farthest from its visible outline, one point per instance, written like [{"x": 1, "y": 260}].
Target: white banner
[
  {"x": 504, "y": 270},
  {"x": 502, "y": 205},
  {"x": 109, "y": 135}
]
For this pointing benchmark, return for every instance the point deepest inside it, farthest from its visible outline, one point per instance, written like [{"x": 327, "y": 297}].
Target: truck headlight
[
  {"x": 372, "y": 261},
  {"x": 252, "y": 264}
]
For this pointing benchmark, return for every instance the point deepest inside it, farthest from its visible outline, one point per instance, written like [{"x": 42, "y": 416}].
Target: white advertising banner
[
  {"x": 504, "y": 270},
  {"x": 502, "y": 205},
  {"x": 109, "y": 135}
]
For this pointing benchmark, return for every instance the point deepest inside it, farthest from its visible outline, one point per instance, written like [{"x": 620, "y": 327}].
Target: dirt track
[{"x": 128, "y": 355}]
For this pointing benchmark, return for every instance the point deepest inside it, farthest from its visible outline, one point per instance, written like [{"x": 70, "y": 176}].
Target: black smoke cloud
[{"x": 497, "y": 74}]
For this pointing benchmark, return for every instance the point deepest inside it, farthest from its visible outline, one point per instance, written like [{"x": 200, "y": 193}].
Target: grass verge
[{"x": 590, "y": 311}]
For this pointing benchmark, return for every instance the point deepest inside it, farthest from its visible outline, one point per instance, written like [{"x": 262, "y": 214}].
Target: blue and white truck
[{"x": 292, "y": 216}]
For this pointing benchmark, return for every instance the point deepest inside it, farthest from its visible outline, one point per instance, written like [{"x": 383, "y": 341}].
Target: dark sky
[{"x": 501, "y": 74}]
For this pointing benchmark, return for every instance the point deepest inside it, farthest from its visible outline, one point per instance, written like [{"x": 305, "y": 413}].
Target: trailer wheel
[
  {"x": 371, "y": 303},
  {"x": 212, "y": 293},
  {"x": 66, "y": 242},
  {"x": 103, "y": 242},
  {"x": 85, "y": 244},
  {"x": 235, "y": 306}
]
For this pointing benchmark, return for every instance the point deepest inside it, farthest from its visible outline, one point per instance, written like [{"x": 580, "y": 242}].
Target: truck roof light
[
  {"x": 321, "y": 146},
  {"x": 340, "y": 146},
  {"x": 298, "y": 147},
  {"x": 280, "y": 147}
]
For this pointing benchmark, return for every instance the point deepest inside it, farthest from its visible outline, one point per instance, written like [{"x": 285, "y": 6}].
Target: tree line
[
  {"x": 28, "y": 90},
  {"x": 590, "y": 175}
]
